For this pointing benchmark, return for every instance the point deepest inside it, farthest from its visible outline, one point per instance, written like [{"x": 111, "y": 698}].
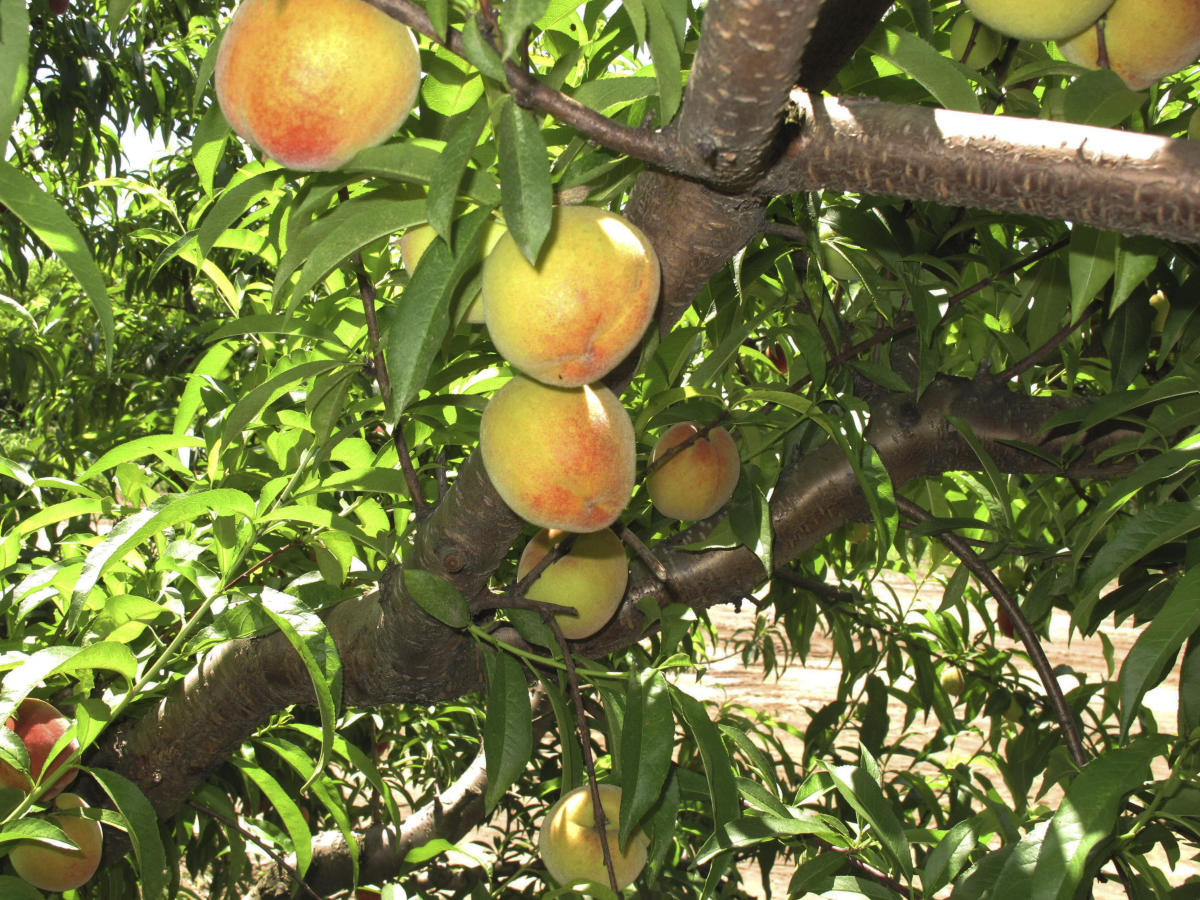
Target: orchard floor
[{"x": 813, "y": 684}]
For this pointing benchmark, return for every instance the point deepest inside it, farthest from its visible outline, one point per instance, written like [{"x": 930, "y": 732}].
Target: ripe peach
[
  {"x": 1037, "y": 20},
  {"x": 590, "y": 578},
  {"x": 39, "y": 726},
  {"x": 698, "y": 480},
  {"x": 1144, "y": 39},
  {"x": 416, "y": 240},
  {"x": 559, "y": 457},
  {"x": 50, "y": 868},
  {"x": 312, "y": 82},
  {"x": 569, "y": 320},
  {"x": 569, "y": 842}
]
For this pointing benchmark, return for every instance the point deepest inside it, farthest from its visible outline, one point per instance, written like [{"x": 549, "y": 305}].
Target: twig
[
  {"x": 1021, "y": 625},
  {"x": 275, "y": 857},
  {"x": 366, "y": 290},
  {"x": 644, "y": 553},
  {"x": 1020, "y": 367},
  {"x": 258, "y": 565},
  {"x": 869, "y": 871}
]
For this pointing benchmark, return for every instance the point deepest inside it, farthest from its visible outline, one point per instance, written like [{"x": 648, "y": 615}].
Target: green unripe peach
[
  {"x": 699, "y": 479},
  {"x": 590, "y": 578},
  {"x": 39, "y": 726},
  {"x": 1162, "y": 308},
  {"x": 417, "y": 239},
  {"x": 985, "y": 48},
  {"x": 1144, "y": 40},
  {"x": 1038, "y": 20},
  {"x": 51, "y": 868},
  {"x": 559, "y": 457},
  {"x": 569, "y": 842},
  {"x": 571, "y": 318},
  {"x": 313, "y": 82},
  {"x": 952, "y": 681}
]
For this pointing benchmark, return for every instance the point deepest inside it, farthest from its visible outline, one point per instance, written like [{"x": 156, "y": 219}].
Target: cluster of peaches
[
  {"x": 311, "y": 83},
  {"x": 42, "y": 729},
  {"x": 1140, "y": 40}
]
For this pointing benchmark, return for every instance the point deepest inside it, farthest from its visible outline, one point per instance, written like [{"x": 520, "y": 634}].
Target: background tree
[{"x": 948, "y": 314}]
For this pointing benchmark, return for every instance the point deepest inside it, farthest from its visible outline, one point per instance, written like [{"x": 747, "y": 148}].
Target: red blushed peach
[
  {"x": 569, "y": 842},
  {"x": 698, "y": 480},
  {"x": 39, "y": 726},
  {"x": 571, "y": 318},
  {"x": 50, "y": 868},
  {"x": 313, "y": 82},
  {"x": 590, "y": 578},
  {"x": 559, "y": 457}
]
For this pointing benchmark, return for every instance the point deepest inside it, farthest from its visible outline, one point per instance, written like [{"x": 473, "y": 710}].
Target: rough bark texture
[{"x": 1120, "y": 181}]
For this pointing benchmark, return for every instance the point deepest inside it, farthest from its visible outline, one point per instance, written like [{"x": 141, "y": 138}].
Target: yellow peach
[
  {"x": 571, "y": 318},
  {"x": 50, "y": 868},
  {"x": 985, "y": 48},
  {"x": 1037, "y": 20},
  {"x": 698, "y": 480},
  {"x": 569, "y": 842},
  {"x": 590, "y": 578},
  {"x": 415, "y": 241},
  {"x": 559, "y": 457},
  {"x": 313, "y": 82},
  {"x": 1143, "y": 39}
]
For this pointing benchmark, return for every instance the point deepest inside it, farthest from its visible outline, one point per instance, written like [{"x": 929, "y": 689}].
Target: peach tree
[{"x": 248, "y": 545}]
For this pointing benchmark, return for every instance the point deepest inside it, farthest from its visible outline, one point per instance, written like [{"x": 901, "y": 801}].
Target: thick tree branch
[{"x": 1116, "y": 180}]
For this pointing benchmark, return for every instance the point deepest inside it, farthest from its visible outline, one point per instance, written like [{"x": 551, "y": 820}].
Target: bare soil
[{"x": 814, "y": 683}]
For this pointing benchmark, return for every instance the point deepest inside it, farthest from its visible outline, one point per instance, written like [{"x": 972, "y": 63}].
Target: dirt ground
[{"x": 815, "y": 683}]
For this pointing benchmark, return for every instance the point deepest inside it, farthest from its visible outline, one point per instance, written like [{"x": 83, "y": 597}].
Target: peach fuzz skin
[
  {"x": 39, "y": 726},
  {"x": 569, "y": 843},
  {"x": 1145, "y": 40},
  {"x": 59, "y": 868},
  {"x": 583, "y": 308},
  {"x": 313, "y": 82},
  {"x": 590, "y": 578},
  {"x": 699, "y": 479},
  {"x": 559, "y": 457},
  {"x": 1037, "y": 20}
]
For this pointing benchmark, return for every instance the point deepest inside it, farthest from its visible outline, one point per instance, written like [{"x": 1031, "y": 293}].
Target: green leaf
[
  {"x": 443, "y": 185},
  {"x": 665, "y": 46},
  {"x": 1150, "y": 528},
  {"x": 438, "y": 597},
  {"x": 1086, "y": 816},
  {"x": 863, "y": 793},
  {"x": 1136, "y": 259},
  {"x": 306, "y": 632},
  {"x": 44, "y": 217},
  {"x": 647, "y": 743},
  {"x": 151, "y": 445},
  {"x": 289, "y": 812},
  {"x": 526, "y": 195},
  {"x": 415, "y": 327},
  {"x": 718, "y": 768},
  {"x": 508, "y": 728},
  {"x": 1156, "y": 647},
  {"x": 947, "y": 859},
  {"x": 142, "y": 825},
  {"x": 35, "y": 669},
  {"x": 14, "y": 62},
  {"x": 480, "y": 53},
  {"x": 167, "y": 511},
  {"x": 280, "y": 381},
  {"x": 515, "y": 17},
  {"x": 1091, "y": 261},
  {"x": 938, "y": 74},
  {"x": 242, "y": 193},
  {"x": 749, "y": 830},
  {"x": 14, "y": 888},
  {"x": 208, "y": 147}
]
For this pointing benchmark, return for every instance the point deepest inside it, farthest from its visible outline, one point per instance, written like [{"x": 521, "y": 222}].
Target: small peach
[
  {"x": 418, "y": 238},
  {"x": 569, "y": 842},
  {"x": 698, "y": 480},
  {"x": 312, "y": 82},
  {"x": 571, "y": 318},
  {"x": 39, "y": 726},
  {"x": 559, "y": 457},
  {"x": 51, "y": 868},
  {"x": 590, "y": 578}
]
